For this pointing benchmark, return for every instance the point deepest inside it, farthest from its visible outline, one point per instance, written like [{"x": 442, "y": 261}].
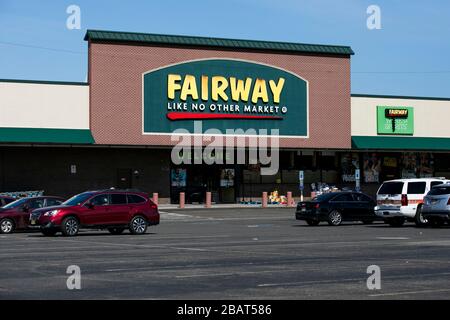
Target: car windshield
[
  {"x": 78, "y": 199},
  {"x": 16, "y": 203}
]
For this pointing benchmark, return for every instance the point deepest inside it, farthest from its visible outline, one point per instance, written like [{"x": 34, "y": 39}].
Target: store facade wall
[
  {"x": 416, "y": 146},
  {"x": 131, "y": 104},
  {"x": 44, "y": 112},
  {"x": 116, "y": 83},
  {"x": 65, "y": 171},
  {"x": 116, "y": 131},
  {"x": 27, "y": 104}
]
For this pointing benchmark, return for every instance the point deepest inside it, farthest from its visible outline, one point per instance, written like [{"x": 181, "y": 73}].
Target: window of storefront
[
  {"x": 417, "y": 165},
  {"x": 390, "y": 167},
  {"x": 349, "y": 163},
  {"x": 327, "y": 160},
  {"x": 371, "y": 167},
  {"x": 304, "y": 160},
  {"x": 442, "y": 164}
]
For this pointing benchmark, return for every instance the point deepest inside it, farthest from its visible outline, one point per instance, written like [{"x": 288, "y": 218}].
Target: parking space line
[
  {"x": 423, "y": 275},
  {"x": 408, "y": 292},
  {"x": 393, "y": 238}
]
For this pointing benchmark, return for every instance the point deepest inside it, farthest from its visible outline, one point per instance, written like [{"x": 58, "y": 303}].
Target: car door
[
  {"x": 345, "y": 204},
  {"x": 364, "y": 207},
  {"x": 118, "y": 209},
  {"x": 95, "y": 211}
]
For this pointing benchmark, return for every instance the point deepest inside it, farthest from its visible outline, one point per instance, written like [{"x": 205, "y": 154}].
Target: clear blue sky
[{"x": 410, "y": 55}]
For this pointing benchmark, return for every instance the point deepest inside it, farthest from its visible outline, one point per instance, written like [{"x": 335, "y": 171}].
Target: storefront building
[
  {"x": 117, "y": 130},
  {"x": 399, "y": 137}
]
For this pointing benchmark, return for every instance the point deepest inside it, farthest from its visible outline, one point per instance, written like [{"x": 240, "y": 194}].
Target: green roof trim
[
  {"x": 149, "y": 38},
  {"x": 397, "y": 97},
  {"x": 400, "y": 143},
  {"x": 37, "y": 135}
]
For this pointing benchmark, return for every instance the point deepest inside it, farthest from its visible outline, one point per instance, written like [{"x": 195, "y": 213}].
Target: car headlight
[{"x": 51, "y": 213}]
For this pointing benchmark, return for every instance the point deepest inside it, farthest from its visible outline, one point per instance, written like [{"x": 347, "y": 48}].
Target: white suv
[{"x": 402, "y": 199}]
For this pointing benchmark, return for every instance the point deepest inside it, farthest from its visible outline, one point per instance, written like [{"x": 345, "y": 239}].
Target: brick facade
[{"x": 115, "y": 77}]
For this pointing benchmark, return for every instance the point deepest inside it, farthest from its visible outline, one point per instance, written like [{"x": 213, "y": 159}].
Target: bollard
[
  {"x": 181, "y": 200},
  {"x": 155, "y": 198},
  {"x": 289, "y": 199},
  {"x": 264, "y": 199},
  {"x": 208, "y": 200}
]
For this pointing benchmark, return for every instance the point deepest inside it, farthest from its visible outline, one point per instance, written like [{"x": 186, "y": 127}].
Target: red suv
[{"x": 115, "y": 210}]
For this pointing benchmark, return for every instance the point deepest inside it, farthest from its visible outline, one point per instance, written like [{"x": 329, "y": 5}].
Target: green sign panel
[
  {"x": 395, "y": 120},
  {"x": 225, "y": 95}
]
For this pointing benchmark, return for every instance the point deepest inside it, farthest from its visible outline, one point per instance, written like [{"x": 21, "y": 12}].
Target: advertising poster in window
[
  {"x": 426, "y": 165},
  {"x": 410, "y": 165},
  {"x": 349, "y": 163},
  {"x": 372, "y": 168},
  {"x": 417, "y": 165},
  {"x": 227, "y": 178},
  {"x": 178, "y": 177}
]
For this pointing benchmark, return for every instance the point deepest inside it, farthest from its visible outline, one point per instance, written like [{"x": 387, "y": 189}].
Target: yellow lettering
[
  {"x": 205, "y": 88},
  {"x": 276, "y": 89},
  {"x": 239, "y": 90},
  {"x": 189, "y": 88},
  {"x": 218, "y": 87},
  {"x": 172, "y": 86},
  {"x": 260, "y": 91}
]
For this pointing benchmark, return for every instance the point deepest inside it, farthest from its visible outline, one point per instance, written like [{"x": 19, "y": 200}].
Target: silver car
[{"x": 436, "y": 205}]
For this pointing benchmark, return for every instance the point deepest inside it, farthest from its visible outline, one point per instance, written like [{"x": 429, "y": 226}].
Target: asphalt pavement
[{"x": 231, "y": 254}]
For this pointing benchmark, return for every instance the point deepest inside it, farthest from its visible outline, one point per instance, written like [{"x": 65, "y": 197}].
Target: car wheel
[
  {"x": 116, "y": 231},
  {"x": 138, "y": 225},
  {"x": 396, "y": 222},
  {"x": 419, "y": 220},
  {"x": 49, "y": 233},
  {"x": 312, "y": 222},
  {"x": 70, "y": 227},
  {"x": 334, "y": 218},
  {"x": 7, "y": 226}
]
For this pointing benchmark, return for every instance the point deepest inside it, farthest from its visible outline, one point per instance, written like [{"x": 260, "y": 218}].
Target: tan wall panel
[
  {"x": 430, "y": 116},
  {"x": 29, "y": 105}
]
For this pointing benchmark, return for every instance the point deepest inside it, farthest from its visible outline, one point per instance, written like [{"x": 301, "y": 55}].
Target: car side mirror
[{"x": 25, "y": 208}]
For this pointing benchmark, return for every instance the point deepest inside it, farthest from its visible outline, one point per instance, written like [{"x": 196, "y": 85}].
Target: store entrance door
[
  {"x": 227, "y": 185},
  {"x": 200, "y": 179}
]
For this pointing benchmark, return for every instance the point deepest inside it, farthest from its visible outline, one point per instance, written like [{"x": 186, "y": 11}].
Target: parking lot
[{"x": 231, "y": 254}]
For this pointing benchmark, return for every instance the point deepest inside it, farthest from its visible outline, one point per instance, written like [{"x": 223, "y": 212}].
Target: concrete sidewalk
[{"x": 219, "y": 206}]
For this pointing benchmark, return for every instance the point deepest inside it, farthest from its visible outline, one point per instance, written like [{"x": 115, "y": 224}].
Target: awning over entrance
[
  {"x": 39, "y": 135},
  {"x": 400, "y": 143}
]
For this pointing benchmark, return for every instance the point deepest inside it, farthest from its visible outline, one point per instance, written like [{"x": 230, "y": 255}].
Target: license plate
[
  {"x": 434, "y": 201},
  {"x": 303, "y": 209},
  {"x": 33, "y": 222}
]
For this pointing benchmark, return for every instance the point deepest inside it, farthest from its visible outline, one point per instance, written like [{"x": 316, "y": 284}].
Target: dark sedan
[
  {"x": 15, "y": 215},
  {"x": 337, "y": 207}
]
